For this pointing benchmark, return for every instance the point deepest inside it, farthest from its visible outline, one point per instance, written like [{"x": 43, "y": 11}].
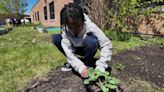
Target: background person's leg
[{"x": 90, "y": 49}]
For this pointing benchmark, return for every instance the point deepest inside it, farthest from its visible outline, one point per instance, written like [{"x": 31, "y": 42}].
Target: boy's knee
[
  {"x": 56, "y": 38},
  {"x": 91, "y": 40}
]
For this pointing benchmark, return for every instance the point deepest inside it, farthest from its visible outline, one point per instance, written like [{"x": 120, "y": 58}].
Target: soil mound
[{"x": 144, "y": 62}]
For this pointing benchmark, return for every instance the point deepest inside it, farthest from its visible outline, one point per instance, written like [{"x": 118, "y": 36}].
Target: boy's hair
[{"x": 71, "y": 10}]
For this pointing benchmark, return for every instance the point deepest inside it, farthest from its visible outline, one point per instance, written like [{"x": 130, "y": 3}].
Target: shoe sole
[{"x": 62, "y": 69}]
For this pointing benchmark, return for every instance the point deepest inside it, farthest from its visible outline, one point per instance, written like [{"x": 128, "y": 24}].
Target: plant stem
[{"x": 100, "y": 82}]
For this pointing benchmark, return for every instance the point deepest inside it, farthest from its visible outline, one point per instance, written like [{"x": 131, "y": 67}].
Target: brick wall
[
  {"x": 58, "y": 5},
  {"x": 155, "y": 26}
]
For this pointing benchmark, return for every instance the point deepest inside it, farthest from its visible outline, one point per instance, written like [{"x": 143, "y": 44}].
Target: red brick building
[{"x": 48, "y": 11}]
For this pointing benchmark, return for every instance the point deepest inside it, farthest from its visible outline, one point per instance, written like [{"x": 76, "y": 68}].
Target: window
[
  {"x": 35, "y": 17},
  {"x": 52, "y": 16},
  {"x": 45, "y": 13},
  {"x": 38, "y": 15}
]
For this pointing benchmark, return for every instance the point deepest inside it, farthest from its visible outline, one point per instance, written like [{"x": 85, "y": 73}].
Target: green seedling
[
  {"x": 138, "y": 58},
  {"x": 108, "y": 83},
  {"x": 159, "y": 76},
  {"x": 118, "y": 66},
  {"x": 142, "y": 67},
  {"x": 146, "y": 70},
  {"x": 142, "y": 52}
]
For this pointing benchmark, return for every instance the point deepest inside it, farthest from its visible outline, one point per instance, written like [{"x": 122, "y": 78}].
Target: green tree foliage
[
  {"x": 18, "y": 7},
  {"x": 124, "y": 13}
]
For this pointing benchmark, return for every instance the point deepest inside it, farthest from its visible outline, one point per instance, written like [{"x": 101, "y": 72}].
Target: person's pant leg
[
  {"x": 56, "y": 39},
  {"x": 90, "y": 49},
  {"x": 8, "y": 24}
]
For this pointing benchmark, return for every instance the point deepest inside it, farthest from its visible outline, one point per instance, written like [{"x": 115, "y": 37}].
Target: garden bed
[
  {"x": 3, "y": 31},
  {"x": 143, "y": 66},
  {"x": 41, "y": 29}
]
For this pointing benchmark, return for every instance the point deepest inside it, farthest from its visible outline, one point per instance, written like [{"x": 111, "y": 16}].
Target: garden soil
[{"x": 144, "y": 63}]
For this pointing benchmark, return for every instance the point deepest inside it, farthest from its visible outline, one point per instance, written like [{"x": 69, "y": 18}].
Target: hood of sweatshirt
[{"x": 86, "y": 22}]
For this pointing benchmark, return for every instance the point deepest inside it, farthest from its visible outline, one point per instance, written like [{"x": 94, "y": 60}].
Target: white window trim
[{"x": 52, "y": 19}]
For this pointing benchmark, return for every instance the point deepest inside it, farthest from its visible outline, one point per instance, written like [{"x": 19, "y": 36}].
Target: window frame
[
  {"x": 52, "y": 11},
  {"x": 45, "y": 13},
  {"x": 38, "y": 15},
  {"x": 35, "y": 17}
]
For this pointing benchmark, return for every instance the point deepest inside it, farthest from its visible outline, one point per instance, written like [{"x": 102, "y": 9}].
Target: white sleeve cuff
[
  {"x": 81, "y": 68},
  {"x": 102, "y": 69}
]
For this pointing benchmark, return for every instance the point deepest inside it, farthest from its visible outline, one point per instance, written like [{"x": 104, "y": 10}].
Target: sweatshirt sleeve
[
  {"x": 105, "y": 47},
  {"x": 76, "y": 63}
]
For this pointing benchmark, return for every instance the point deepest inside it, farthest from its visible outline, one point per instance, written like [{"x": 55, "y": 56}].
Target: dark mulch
[
  {"x": 55, "y": 81},
  {"x": 150, "y": 68}
]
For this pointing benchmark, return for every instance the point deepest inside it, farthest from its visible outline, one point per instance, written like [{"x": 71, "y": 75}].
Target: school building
[{"x": 48, "y": 11}]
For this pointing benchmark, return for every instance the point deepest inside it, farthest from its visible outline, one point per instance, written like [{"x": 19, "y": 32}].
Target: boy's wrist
[
  {"x": 102, "y": 69},
  {"x": 81, "y": 68}
]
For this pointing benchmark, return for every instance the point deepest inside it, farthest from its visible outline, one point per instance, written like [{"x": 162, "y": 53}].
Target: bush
[
  {"x": 112, "y": 35},
  {"x": 117, "y": 35},
  {"x": 30, "y": 24}
]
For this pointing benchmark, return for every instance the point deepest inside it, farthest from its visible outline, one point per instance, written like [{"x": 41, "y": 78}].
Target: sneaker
[{"x": 66, "y": 67}]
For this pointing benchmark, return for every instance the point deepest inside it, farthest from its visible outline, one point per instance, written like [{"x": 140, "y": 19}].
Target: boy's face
[{"x": 74, "y": 29}]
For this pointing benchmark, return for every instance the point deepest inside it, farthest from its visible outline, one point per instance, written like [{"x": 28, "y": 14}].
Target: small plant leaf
[
  {"x": 92, "y": 77},
  {"x": 92, "y": 70},
  {"x": 97, "y": 76},
  {"x": 114, "y": 86},
  {"x": 108, "y": 85},
  {"x": 107, "y": 78},
  {"x": 88, "y": 73},
  {"x": 146, "y": 70},
  {"x": 138, "y": 58},
  {"x": 86, "y": 81},
  {"x": 103, "y": 88},
  {"x": 107, "y": 90},
  {"x": 106, "y": 72},
  {"x": 98, "y": 72},
  {"x": 113, "y": 82}
]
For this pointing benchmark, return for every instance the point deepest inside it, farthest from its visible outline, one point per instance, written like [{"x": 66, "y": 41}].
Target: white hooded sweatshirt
[{"x": 69, "y": 42}]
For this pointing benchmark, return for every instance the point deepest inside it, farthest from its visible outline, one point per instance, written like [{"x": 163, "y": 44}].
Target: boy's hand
[{"x": 83, "y": 73}]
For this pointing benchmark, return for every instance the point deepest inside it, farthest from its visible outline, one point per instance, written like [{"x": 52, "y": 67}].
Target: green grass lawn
[
  {"x": 21, "y": 60},
  {"x": 23, "y": 50}
]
